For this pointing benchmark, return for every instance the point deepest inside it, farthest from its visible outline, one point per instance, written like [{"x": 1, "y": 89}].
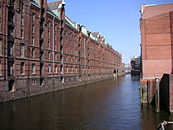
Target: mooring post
[
  {"x": 143, "y": 92},
  {"x": 141, "y": 97},
  {"x": 157, "y": 96}
]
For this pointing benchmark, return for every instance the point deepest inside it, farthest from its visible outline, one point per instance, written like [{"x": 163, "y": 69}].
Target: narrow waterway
[{"x": 107, "y": 105}]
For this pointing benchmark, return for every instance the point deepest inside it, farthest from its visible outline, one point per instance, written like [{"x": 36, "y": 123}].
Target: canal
[{"x": 108, "y": 105}]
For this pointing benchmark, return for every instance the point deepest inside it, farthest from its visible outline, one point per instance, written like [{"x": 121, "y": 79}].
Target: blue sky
[{"x": 117, "y": 20}]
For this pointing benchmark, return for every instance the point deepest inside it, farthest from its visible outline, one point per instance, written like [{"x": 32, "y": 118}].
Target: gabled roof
[
  {"x": 149, "y": 11},
  {"x": 93, "y": 37},
  {"x": 84, "y": 30},
  {"x": 57, "y": 13},
  {"x": 95, "y": 34},
  {"x": 70, "y": 22},
  {"x": 53, "y": 5}
]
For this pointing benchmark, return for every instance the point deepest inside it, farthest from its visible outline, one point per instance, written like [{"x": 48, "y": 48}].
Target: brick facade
[
  {"x": 156, "y": 33},
  {"x": 42, "y": 50}
]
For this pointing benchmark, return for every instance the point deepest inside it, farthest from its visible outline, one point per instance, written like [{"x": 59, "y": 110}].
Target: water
[{"x": 107, "y": 105}]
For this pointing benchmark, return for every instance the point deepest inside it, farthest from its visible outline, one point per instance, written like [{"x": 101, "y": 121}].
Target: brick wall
[{"x": 156, "y": 45}]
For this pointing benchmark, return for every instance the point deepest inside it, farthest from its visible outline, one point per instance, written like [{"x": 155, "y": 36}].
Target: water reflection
[{"x": 110, "y": 104}]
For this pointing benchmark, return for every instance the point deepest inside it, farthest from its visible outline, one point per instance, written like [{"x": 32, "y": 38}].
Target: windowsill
[{"x": 33, "y": 73}]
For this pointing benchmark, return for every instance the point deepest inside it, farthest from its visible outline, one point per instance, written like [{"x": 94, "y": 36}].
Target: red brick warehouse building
[{"x": 42, "y": 50}]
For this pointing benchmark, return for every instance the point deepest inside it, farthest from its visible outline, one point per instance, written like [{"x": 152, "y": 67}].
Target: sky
[{"x": 117, "y": 20}]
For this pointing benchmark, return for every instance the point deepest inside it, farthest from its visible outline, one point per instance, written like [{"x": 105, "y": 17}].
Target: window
[
  {"x": 71, "y": 69},
  {"x": 10, "y": 49},
  {"x": 67, "y": 70},
  {"x": 33, "y": 40},
  {"x": 33, "y": 53},
  {"x": 33, "y": 82},
  {"x": 22, "y": 49},
  {"x": 22, "y": 26},
  {"x": 56, "y": 69},
  {"x": 22, "y": 68},
  {"x": 49, "y": 24},
  {"x": 10, "y": 69},
  {"x": 33, "y": 17},
  {"x": 55, "y": 38},
  {"x": 49, "y": 39},
  {"x": 1, "y": 47},
  {"x": 49, "y": 69},
  {"x": 22, "y": 21},
  {"x": 0, "y": 18},
  {"x": 55, "y": 58},
  {"x": 22, "y": 33},
  {"x": 49, "y": 34},
  {"x": 0, "y": 68},
  {"x": 33, "y": 29},
  {"x": 76, "y": 69},
  {"x": 33, "y": 68},
  {"x": 49, "y": 55}
]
